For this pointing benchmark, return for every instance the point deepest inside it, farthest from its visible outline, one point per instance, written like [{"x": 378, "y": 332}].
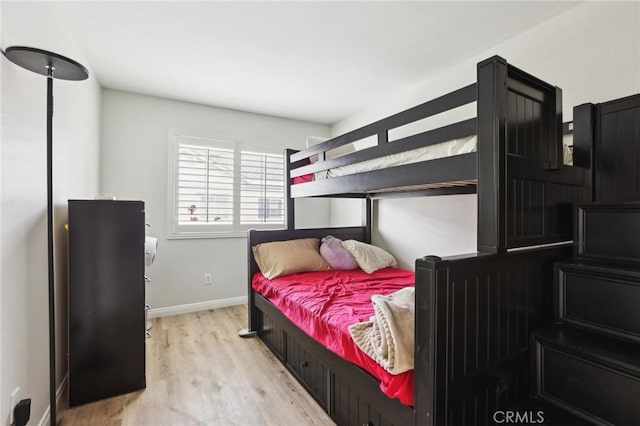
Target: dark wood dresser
[{"x": 106, "y": 299}]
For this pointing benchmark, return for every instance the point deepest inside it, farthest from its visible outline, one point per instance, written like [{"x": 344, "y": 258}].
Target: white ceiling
[{"x": 316, "y": 61}]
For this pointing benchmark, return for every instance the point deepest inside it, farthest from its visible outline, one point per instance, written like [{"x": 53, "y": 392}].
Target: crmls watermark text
[{"x": 518, "y": 417}]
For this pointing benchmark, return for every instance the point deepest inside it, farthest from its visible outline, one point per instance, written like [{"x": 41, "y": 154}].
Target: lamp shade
[{"x": 40, "y": 61}]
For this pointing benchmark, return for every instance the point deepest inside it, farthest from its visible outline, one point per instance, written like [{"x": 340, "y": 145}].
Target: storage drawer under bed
[
  {"x": 273, "y": 336},
  {"x": 349, "y": 394},
  {"x": 350, "y": 406},
  {"x": 313, "y": 374}
]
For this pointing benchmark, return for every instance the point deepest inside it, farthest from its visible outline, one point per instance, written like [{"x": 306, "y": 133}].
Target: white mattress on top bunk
[{"x": 431, "y": 152}]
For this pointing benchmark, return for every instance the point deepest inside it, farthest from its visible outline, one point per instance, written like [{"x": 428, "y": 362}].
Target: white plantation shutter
[
  {"x": 261, "y": 188},
  {"x": 205, "y": 185},
  {"x": 224, "y": 187}
]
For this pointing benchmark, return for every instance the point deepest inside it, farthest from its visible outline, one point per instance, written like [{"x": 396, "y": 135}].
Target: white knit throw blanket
[{"x": 388, "y": 337}]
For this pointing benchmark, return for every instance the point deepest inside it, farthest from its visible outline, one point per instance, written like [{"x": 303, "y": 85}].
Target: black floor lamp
[{"x": 52, "y": 66}]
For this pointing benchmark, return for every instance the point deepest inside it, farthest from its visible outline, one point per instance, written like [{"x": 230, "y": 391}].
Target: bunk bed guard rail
[{"x": 447, "y": 171}]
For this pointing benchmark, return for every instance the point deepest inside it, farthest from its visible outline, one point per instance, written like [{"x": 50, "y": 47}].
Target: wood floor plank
[{"x": 199, "y": 372}]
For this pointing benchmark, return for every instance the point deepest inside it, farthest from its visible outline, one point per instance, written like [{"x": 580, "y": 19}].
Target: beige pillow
[
  {"x": 280, "y": 258},
  {"x": 370, "y": 258}
]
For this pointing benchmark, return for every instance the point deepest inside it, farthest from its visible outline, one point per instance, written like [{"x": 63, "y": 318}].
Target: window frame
[{"x": 175, "y": 230}]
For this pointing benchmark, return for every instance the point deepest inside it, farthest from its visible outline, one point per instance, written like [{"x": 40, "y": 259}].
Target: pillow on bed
[
  {"x": 369, "y": 257},
  {"x": 280, "y": 258},
  {"x": 312, "y": 141},
  {"x": 337, "y": 256}
]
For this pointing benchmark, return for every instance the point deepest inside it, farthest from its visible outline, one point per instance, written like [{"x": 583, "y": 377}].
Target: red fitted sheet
[
  {"x": 303, "y": 179},
  {"x": 325, "y": 304}
]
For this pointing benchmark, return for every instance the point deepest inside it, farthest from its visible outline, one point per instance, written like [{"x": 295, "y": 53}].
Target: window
[
  {"x": 223, "y": 188},
  {"x": 261, "y": 188}
]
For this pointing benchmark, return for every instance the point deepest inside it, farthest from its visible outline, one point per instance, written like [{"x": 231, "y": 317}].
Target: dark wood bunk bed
[{"x": 474, "y": 313}]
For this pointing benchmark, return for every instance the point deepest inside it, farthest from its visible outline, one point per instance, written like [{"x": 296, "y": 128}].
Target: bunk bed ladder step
[
  {"x": 589, "y": 375},
  {"x": 588, "y": 363}
]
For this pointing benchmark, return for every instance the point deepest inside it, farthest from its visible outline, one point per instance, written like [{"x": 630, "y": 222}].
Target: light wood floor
[{"x": 199, "y": 372}]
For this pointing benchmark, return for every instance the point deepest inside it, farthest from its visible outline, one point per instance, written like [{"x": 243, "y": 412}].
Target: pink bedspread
[{"x": 325, "y": 304}]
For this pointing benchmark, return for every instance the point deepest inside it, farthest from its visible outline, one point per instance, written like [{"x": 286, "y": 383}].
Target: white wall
[
  {"x": 2, "y": 410},
  {"x": 23, "y": 201},
  {"x": 415, "y": 227},
  {"x": 591, "y": 51},
  {"x": 135, "y": 137}
]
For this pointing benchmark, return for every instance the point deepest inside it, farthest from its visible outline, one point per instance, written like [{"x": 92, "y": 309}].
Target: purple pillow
[{"x": 337, "y": 256}]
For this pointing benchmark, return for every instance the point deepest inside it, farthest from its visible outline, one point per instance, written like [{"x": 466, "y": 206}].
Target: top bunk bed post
[
  {"x": 492, "y": 118},
  {"x": 290, "y": 205},
  {"x": 583, "y": 134},
  {"x": 367, "y": 218}
]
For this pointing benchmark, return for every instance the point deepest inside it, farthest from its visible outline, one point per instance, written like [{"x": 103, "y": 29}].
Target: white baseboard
[
  {"x": 44, "y": 421},
  {"x": 195, "y": 307}
]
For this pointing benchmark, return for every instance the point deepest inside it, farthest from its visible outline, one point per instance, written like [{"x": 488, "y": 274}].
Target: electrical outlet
[
  {"x": 13, "y": 400},
  {"x": 207, "y": 279}
]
